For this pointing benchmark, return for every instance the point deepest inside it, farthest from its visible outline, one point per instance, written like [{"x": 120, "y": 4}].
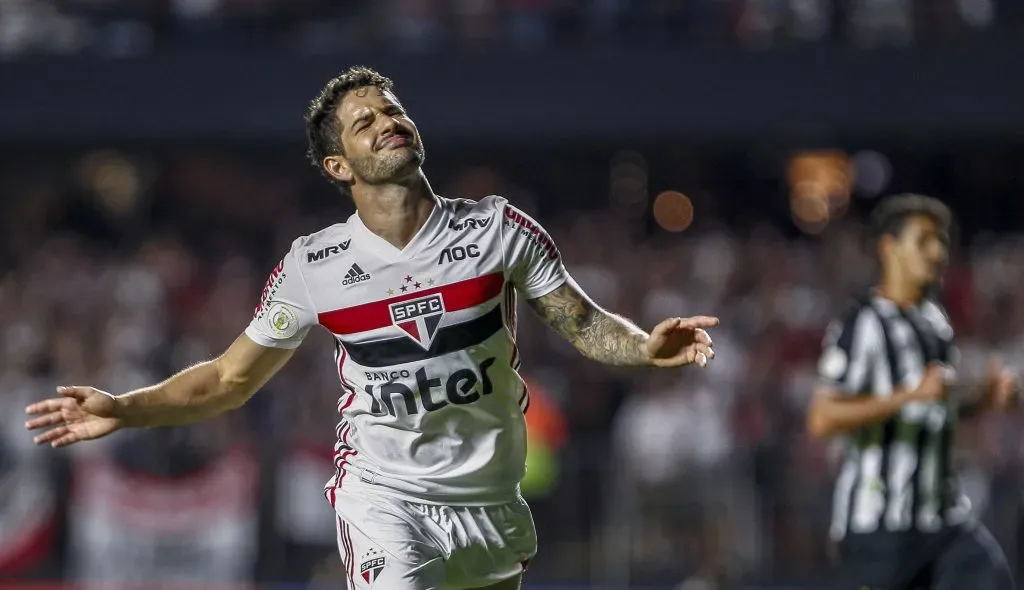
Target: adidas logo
[{"x": 355, "y": 275}]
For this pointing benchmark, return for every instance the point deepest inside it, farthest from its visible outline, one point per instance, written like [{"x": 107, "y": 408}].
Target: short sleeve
[
  {"x": 850, "y": 352},
  {"x": 533, "y": 263},
  {"x": 285, "y": 312}
]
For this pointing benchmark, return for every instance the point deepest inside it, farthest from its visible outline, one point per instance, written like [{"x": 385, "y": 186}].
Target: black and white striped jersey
[{"x": 897, "y": 475}]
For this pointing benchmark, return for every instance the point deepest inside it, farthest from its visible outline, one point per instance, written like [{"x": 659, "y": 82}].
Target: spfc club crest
[
  {"x": 419, "y": 318},
  {"x": 372, "y": 566}
]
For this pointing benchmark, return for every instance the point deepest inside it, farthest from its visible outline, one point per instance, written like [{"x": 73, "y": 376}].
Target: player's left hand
[
  {"x": 1003, "y": 384},
  {"x": 681, "y": 341}
]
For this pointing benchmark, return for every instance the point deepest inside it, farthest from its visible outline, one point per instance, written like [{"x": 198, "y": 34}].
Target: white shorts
[{"x": 392, "y": 544}]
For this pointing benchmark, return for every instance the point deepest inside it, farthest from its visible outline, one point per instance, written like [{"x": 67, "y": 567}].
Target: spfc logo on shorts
[
  {"x": 419, "y": 318},
  {"x": 372, "y": 566}
]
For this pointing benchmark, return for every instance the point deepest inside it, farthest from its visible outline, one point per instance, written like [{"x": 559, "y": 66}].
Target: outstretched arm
[
  {"x": 205, "y": 390},
  {"x": 596, "y": 333},
  {"x": 193, "y": 395},
  {"x": 282, "y": 319},
  {"x": 608, "y": 338}
]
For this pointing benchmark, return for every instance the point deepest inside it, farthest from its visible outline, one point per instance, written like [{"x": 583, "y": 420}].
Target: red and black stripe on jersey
[{"x": 452, "y": 338}]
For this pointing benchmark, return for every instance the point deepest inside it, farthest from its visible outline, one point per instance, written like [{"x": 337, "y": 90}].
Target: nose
[{"x": 389, "y": 122}]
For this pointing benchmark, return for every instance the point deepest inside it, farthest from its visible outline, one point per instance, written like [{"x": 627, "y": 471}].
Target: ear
[{"x": 338, "y": 167}]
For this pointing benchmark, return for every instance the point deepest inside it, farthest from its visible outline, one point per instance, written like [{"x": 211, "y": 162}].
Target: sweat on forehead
[
  {"x": 360, "y": 99},
  {"x": 364, "y": 91},
  {"x": 361, "y": 92}
]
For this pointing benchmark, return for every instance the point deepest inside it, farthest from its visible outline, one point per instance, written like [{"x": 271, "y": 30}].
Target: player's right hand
[
  {"x": 934, "y": 385},
  {"x": 79, "y": 414}
]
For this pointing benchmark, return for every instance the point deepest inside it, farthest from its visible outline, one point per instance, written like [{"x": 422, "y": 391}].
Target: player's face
[
  {"x": 382, "y": 144},
  {"x": 921, "y": 250}
]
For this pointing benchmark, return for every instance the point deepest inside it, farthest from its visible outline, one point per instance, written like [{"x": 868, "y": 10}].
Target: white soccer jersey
[{"x": 432, "y": 405}]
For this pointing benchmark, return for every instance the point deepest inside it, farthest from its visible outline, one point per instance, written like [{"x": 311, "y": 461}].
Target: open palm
[
  {"x": 79, "y": 414},
  {"x": 681, "y": 341}
]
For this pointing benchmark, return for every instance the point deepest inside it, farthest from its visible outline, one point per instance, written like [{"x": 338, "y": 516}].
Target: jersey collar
[{"x": 386, "y": 249}]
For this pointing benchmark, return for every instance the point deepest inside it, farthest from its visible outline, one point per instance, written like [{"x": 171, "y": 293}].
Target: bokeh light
[
  {"x": 820, "y": 183},
  {"x": 872, "y": 172},
  {"x": 673, "y": 211},
  {"x": 113, "y": 180}
]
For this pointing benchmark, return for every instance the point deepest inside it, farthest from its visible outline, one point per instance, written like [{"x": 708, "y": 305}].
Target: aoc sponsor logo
[{"x": 456, "y": 253}]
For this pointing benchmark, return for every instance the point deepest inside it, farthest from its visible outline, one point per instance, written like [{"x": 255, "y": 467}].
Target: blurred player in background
[
  {"x": 419, "y": 292},
  {"x": 889, "y": 371}
]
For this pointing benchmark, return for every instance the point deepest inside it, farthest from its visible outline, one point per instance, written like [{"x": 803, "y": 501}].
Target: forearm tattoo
[{"x": 597, "y": 334}]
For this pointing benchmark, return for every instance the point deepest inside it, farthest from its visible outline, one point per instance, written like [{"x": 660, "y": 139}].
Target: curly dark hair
[
  {"x": 891, "y": 215},
  {"x": 322, "y": 132}
]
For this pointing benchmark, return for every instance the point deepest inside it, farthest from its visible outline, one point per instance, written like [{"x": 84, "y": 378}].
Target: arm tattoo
[{"x": 597, "y": 334}]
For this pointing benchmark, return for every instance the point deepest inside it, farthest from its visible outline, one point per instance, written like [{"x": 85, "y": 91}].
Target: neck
[
  {"x": 395, "y": 212},
  {"x": 901, "y": 292}
]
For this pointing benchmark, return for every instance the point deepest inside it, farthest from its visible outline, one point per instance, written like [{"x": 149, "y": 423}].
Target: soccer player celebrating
[
  {"x": 419, "y": 293},
  {"x": 888, "y": 367}
]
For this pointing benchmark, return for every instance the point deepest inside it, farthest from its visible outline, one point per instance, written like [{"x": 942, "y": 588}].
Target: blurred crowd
[
  {"x": 131, "y": 27},
  {"x": 117, "y": 270}
]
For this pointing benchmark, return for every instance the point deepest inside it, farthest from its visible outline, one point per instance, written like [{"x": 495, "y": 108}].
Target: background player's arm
[
  {"x": 833, "y": 412},
  {"x": 849, "y": 360}
]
